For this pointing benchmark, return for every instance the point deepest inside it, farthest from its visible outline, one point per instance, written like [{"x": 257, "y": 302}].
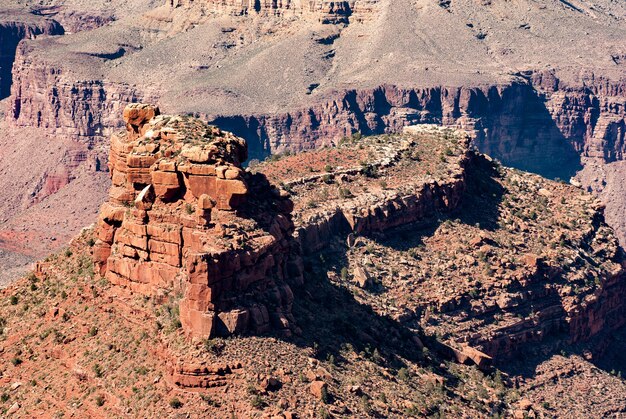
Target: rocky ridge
[
  {"x": 489, "y": 278},
  {"x": 538, "y": 106},
  {"x": 437, "y": 254},
  {"x": 326, "y": 11}
]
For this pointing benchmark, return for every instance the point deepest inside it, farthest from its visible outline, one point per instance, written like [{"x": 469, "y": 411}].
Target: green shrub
[
  {"x": 97, "y": 370},
  {"x": 325, "y": 395},
  {"x": 175, "y": 403},
  {"x": 345, "y": 193},
  {"x": 257, "y": 402},
  {"x": 214, "y": 346}
]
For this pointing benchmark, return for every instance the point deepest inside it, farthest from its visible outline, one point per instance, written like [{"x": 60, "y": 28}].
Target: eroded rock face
[
  {"x": 184, "y": 216},
  {"x": 537, "y": 125},
  {"x": 74, "y": 109},
  {"x": 520, "y": 263},
  {"x": 12, "y": 31},
  {"x": 326, "y": 11}
]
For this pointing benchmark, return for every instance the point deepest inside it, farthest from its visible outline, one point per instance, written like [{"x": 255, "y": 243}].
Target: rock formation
[
  {"x": 12, "y": 31},
  {"x": 404, "y": 252},
  {"x": 184, "y": 216},
  {"x": 490, "y": 277},
  {"x": 274, "y": 73},
  {"x": 326, "y": 11}
]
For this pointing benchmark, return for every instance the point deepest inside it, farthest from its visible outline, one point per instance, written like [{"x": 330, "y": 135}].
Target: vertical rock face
[
  {"x": 326, "y": 11},
  {"x": 184, "y": 216},
  {"x": 540, "y": 132},
  {"x": 78, "y": 110},
  {"x": 592, "y": 117},
  {"x": 11, "y": 33}
]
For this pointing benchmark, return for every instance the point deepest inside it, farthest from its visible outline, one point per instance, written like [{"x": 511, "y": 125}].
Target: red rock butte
[{"x": 184, "y": 217}]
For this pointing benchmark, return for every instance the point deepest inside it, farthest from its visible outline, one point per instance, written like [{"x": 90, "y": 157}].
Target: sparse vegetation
[{"x": 175, "y": 403}]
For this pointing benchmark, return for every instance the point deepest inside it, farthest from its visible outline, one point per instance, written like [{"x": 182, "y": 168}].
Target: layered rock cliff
[
  {"x": 544, "y": 131},
  {"x": 326, "y": 11},
  {"x": 80, "y": 110},
  {"x": 12, "y": 31},
  {"x": 183, "y": 216},
  {"x": 490, "y": 259}
]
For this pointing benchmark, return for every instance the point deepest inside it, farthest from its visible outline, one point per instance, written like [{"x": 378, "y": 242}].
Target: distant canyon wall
[
  {"x": 44, "y": 97},
  {"x": 11, "y": 33},
  {"x": 327, "y": 11},
  {"x": 536, "y": 122},
  {"x": 532, "y": 125}
]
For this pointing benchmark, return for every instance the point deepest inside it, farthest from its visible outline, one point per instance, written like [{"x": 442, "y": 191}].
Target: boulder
[
  {"x": 145, "y": 198},
  {"x": 362, "y": 278},
  {"x": 318, "y": 388},
  {"x": 136, "y": 115}
]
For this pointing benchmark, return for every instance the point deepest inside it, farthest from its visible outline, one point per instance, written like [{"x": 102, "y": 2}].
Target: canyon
[
  {"x": 319, "y": 249},
  {"x": 290, "y": 77},
  {"x": 399, "y": 275}
]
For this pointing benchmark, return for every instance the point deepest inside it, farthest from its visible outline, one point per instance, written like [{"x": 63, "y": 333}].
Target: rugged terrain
[
  {"x": 296, "y": 75},
  {"x": 408, "y": 276}
]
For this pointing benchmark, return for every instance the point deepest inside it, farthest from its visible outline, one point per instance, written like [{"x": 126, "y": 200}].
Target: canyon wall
[
  {"x": 326, "y": 11},
  {"x": 544, "y": 133},
  {"x": 11, "y": 33},
  {"x": 44, "y": 97},
  {"x": 535, "y": 123}
]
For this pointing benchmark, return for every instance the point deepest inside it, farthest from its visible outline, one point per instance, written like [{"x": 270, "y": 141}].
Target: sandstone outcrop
[{"x": 184, "y": 216}]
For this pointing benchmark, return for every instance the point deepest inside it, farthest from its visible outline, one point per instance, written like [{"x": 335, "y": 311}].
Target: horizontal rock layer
[
  {"x": 327, "y": 11},
  {"x": 11, "y": 33},
  {"x": 43, "y": 97},
  {"x": 175, "y": 222},
  {"x": 545, "y": 133}
]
